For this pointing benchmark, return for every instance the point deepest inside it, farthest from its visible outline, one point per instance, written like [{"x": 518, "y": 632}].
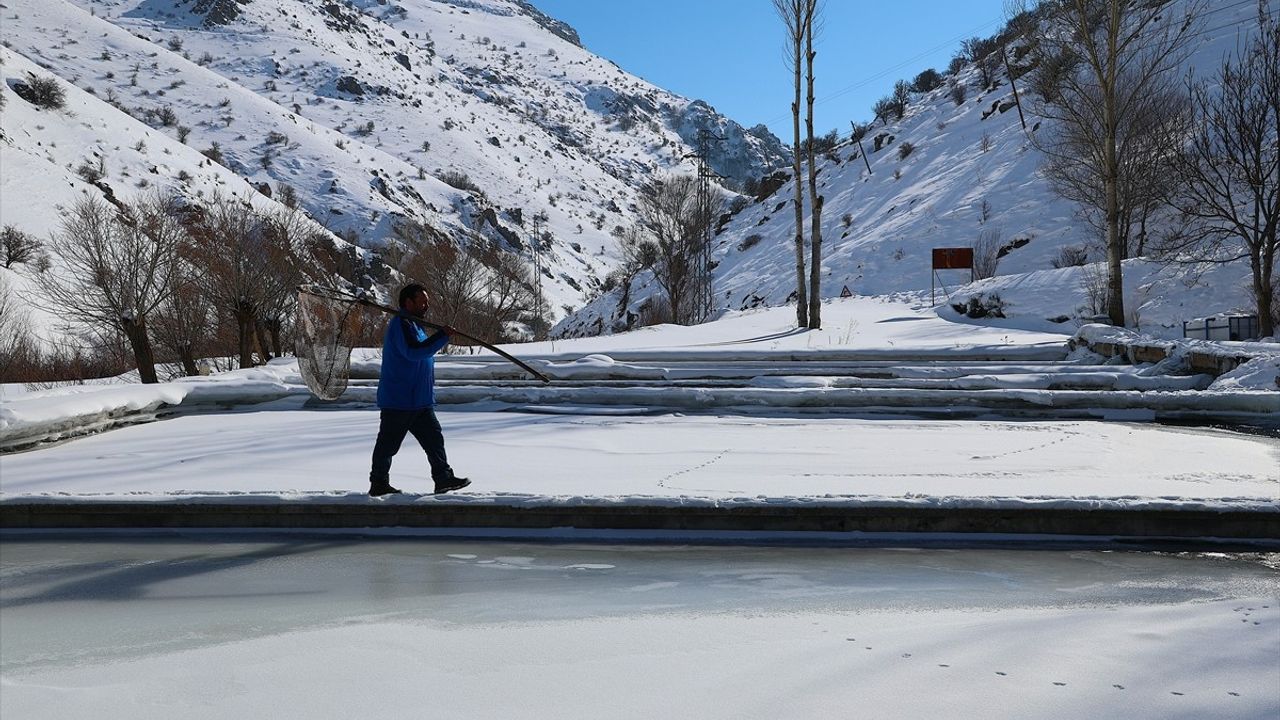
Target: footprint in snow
[
  {"x": 1060, "y": 684},
  {"x": 1002, "y": 673},
  {"x": 1118, "y": 687},
  {"x": 1233, "y": 694},
  {"x": 1174, "y": 692},
  {"x": 943, "y": 665}
]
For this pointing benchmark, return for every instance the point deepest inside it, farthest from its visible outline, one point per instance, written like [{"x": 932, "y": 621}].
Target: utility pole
[
  {"x": 704, "y": 300},
  {"x": 539, "y": 220},
  {"x": 857, "y": 134},
  {"x": 1016, "y": 16},
  {"x": 1004, "y": 55}
]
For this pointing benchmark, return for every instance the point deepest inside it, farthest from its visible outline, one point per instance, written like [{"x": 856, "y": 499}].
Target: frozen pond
[{"x": 342, "y": 626}]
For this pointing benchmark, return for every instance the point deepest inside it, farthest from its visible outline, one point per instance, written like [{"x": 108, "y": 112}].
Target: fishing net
[{"x": 329, "y": 325}]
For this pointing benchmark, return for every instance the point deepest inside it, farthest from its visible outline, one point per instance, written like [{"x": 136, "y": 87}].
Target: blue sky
[{"x": 729, "y": 52}]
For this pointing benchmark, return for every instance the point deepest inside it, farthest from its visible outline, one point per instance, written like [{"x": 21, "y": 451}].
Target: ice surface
[{"x": 346, "y": 626}]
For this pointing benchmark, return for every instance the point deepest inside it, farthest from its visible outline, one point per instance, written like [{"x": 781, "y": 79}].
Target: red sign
[{"x": 952, "y": 258}]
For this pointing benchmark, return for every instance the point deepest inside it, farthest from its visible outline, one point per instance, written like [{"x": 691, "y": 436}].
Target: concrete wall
[{"x": 838, "y": 519}]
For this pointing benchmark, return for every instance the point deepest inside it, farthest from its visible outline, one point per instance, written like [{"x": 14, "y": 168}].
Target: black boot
[
  {"x": 450, "y": 482},
  {"x": 381, "y": 487}
]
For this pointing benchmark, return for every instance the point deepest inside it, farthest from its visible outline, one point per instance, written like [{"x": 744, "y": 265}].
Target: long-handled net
[
  {"x": 331, "y": 322},
  {"x": 327, "y": 331}
]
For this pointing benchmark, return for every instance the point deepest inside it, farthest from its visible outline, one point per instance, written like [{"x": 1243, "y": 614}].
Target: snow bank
[
  {"x": 66, "y": 410},
  {"x": 1129, "y": 503},
  {"x": 597, "y": 366},
  {"x": 1260, "y": 374},
  {"x": 1095, "y": 333},
  {"x": 47, "y": 415},
  {"x": 1242, "y": 366}
]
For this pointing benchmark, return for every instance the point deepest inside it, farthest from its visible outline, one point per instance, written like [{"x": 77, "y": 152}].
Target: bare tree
[
  {"x": 1230, "y": 171},
  {"x": 17, "y": 246},
  {"x": 1070, "y": 256},
  {"x": 1122, "y": 53},
  {"x": 16, "y": 346},
  {"x": 638, "y": 253},
  {"x": 667, "y": 240},
  {"x": 227, "y": 249},
  {"x": 793, "y": 15},
  {"x": 453, "y": 278},
  {"x": 986, "y": 253},
  {"x": 988, "y": 66},
  {"x": 509, "y": 296},
  {"x": 1093, "y": 283},
  {"x": 477, "y": 287},
  {"x": 118, "y": 267},
  {"x": 901, "y": 97},
  {"x": 288, "y": 237},
  {"x": 813, "y": 27},
  {"x": 1147, "y": 143},
  {"x": 181, "y": 325}
]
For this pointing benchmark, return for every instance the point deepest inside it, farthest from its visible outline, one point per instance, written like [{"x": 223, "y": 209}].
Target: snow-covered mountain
[
  {"x": 473, "y": 115},
  {"x": 50, "y": 159},
  {"x": 939, "y": 177},
  {"x": 468, "y": 115}
]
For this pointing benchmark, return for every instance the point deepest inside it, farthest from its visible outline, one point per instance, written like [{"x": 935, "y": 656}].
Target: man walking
[{"x": 406, "y": 395}]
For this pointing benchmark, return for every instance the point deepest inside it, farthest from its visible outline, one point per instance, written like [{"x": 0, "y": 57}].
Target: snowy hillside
[
  {"x": 362, "y": 108},
  {"x": 939, "y": 177},
  {"x": 42, "y": 152}
]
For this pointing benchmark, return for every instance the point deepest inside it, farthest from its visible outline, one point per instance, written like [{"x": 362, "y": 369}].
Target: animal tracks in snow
[{"x": 1078, "y": 687}]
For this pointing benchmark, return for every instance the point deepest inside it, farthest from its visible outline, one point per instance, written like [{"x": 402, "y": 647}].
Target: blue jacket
[{"x": 408, "y": 377}]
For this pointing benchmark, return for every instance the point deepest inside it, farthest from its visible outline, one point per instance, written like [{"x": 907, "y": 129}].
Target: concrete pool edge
[{"x": 833, "y": 519}]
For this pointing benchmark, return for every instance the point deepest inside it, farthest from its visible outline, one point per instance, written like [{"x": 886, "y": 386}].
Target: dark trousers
[{"x": 425, "y": 429}]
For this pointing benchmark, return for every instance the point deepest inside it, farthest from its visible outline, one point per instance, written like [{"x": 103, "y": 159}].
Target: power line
[{"x": 871, "y": 78}]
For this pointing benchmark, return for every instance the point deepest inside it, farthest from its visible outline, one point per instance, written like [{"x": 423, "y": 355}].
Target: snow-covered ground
[
  {"x": 340, "y": 627},
  {"x": 898, "y": 324},
  {"x": 521, "y": 458},
  {"x": 900, "y": 406}
]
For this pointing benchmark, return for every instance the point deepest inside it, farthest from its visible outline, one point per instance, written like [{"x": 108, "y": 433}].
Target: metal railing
[{"x": 1244, "y": 327}]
